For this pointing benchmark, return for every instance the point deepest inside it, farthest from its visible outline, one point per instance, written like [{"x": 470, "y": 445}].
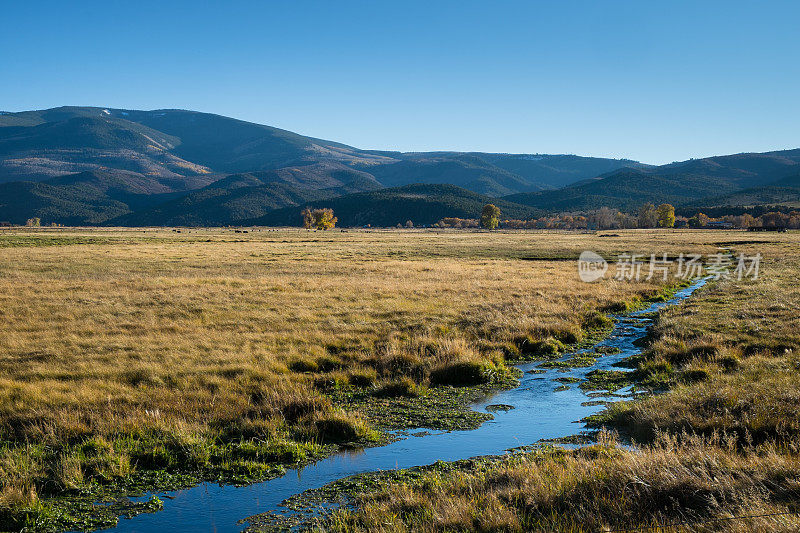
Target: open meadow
[{"x": 157, "y": 358}]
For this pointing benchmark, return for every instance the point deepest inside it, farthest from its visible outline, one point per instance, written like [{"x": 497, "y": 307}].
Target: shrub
[
  {"x": 511, "y": 350},
  {"x": 402, "y": 364},
  {"x": 770, "y": 347},
  {"x": 68, "y": 472},
  {"x": 143, "y": 377},
  {"x": 152, "y": 458},
  {"x": 704, "y": 351},
  {"x": 621, "y": 307},
  {"x": 250, "y": 428},
  {"x": 568, "y": 334}
]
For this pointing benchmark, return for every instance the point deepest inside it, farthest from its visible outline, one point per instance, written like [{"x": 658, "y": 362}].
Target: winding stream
[{"x": 540, "y": 412}]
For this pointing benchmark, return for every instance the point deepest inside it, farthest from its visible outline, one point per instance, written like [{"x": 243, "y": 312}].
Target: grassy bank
[
  {"x": 717, "y": 452},
  {"x": 153, "y": 358},
  {"x": 730, "y": 357},
  {"x": 689, "y": 483}
]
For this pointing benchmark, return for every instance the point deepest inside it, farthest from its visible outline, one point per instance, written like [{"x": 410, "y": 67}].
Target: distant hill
[
  {"x": 82, "y": 140},
  {"x": 740, "y": 170},
  {"x": 91, "y": 165},
  {"x": 89, "y": 197},
  {"x": 36, "y": 145},
  {"x": 141, "y": 159},
  {"x": 251, "y": 195},
  {"x": 492, "y": 174},
  {"x": 423, "y": 204},
  {"x": 231, "y": 145},
  {"x": 678, "y": 183},
  {"x": 218, "y": 207},
  {"x": 785, "y": 191},
  {"x": 465, "y": 171},
  {"x": 86, "y": 198},
  {"x": 556, "y": 171},
  {"x": 623, "y": 189}
]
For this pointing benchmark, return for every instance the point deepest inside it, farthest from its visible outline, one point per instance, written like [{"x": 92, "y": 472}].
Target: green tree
[
  {"x": 318, "y": 218},
  {"x": 648, "y": 216},
  {"x": 666, "y": 215},
  {"x": 490, "y": 216},
  {"x": 34, "y": 222}
]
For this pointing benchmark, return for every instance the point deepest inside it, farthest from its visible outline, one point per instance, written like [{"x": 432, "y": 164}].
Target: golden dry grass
[
  {"x": 152, "y": 347},
  {"x": 181, "y": 331}
]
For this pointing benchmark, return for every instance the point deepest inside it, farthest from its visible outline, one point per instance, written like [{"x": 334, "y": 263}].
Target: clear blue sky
[{"x": 653, "y": 81}]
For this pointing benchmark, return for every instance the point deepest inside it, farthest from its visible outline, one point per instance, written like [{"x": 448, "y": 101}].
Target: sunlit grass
[{"x": 170, "y": 349}]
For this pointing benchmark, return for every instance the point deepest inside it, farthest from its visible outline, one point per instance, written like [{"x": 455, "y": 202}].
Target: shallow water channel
[{"x": 541, "y": 411}]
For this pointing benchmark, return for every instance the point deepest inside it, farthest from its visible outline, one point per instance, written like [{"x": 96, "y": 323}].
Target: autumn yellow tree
[
  {"x": 666, "y": 215},
  {"x": 318, "y": 218}
]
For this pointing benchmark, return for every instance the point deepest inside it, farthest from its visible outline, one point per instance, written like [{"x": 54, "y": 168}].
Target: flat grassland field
[{"x": 215, "y": 354}]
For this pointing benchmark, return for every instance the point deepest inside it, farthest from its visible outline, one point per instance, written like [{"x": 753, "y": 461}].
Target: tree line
[{"x": 648, "y": 216}]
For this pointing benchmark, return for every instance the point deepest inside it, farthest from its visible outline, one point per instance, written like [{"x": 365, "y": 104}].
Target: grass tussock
[
  {"x": 398, "y": 387},
  {"x": 339, "y": 427}
]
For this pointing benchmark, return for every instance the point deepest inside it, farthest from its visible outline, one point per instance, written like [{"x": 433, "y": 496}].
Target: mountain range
[
  {"x": 699, "y": 182},
  {"x": 91, "y": 165}
]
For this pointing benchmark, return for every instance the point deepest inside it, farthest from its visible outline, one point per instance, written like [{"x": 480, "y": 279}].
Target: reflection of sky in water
[{"x": 540, "y": 412}]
